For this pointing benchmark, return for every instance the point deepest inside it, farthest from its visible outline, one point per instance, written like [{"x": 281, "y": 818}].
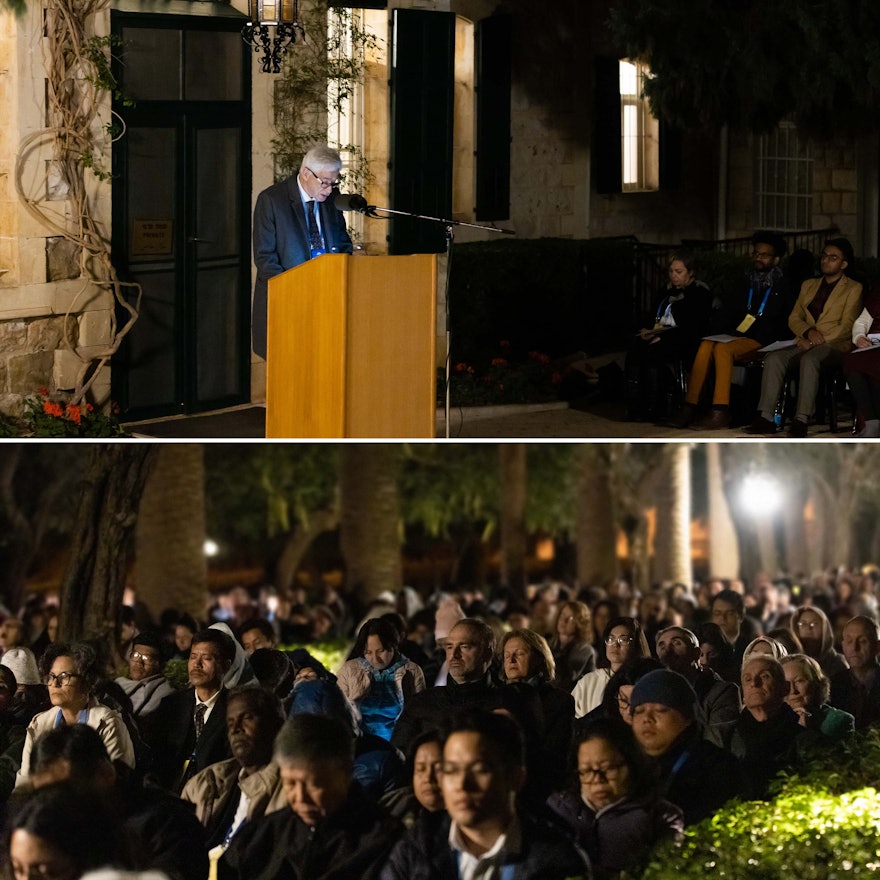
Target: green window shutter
[
  {"x": 607, "y": 170},
  {"x": 422, "y": 69},
  {"x": 493, "y": 117}
]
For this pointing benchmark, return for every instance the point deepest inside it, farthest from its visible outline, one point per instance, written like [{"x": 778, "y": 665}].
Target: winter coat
[
  {"x": 424, "y": 853},
  {"x": 619, "y": 836},
  {"x": 210, "y": 788}
]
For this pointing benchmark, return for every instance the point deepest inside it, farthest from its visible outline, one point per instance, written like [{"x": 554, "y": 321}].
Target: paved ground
[{"x": 599, "y": 420}]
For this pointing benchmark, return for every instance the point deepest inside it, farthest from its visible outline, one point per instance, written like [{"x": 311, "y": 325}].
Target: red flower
[
  {"x": 89, "y": 408},
  {"x": 461, "y": 368},
  {"x": 53, "y": 409},
  {"x": 44, "y": 392},
  {"x": 498, "y": 362},
  {"x": 74, "y": 413}
]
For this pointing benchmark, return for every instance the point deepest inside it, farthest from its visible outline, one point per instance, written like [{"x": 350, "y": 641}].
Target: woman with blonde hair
[
  {"x": 572, "y": 644},
  {"x": 808, "y": 693},
  {"x": 527, "y": 662}
]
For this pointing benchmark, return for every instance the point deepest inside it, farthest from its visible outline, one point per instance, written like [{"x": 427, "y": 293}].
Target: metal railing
[{"x": 651, "y": 260}]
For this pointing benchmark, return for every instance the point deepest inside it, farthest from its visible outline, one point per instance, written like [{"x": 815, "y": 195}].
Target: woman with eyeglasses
[
  {"x": 624, "y": 642},
  {"x": 613, "y": 809},
  {"x": 71, "y": 673},
  {"x": 813, "y": 628}
]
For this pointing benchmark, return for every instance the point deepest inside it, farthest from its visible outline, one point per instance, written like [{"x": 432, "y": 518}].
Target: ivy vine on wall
[
  {"x": 321, "y": 76},
  {"x": 80, "y": 130}
]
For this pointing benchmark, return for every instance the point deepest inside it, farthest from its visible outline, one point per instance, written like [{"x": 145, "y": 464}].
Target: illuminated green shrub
[{"x": 821, "y": 825}]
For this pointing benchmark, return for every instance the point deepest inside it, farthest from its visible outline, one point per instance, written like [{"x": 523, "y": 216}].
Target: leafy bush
[
  {"x": 503, "y": 380},
  {"x": 823, "y": 824},
  {"x": 45, "y": 415},
  {"x": 331, "y": 653}
]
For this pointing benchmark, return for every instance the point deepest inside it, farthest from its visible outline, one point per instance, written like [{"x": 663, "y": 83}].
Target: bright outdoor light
[
  {"x": 210, "y": 548},
  {"x": 760, "y": 495}
]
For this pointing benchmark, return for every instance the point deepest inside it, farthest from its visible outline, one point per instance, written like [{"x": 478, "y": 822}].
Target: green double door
[{"x": 181, "y": 213}]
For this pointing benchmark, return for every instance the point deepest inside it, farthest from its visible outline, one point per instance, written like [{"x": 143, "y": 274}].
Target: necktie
[
  {"x": 315, "y": 243},
  {"x": 199, "y": 718}
]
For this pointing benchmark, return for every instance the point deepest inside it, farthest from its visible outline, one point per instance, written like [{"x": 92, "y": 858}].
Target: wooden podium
[{"x": 350, "y": 348}]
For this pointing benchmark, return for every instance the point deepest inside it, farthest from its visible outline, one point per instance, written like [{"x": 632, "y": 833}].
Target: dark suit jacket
[
  {"x": 173, "y": 735},
  {"x": 281, "y": 241}
]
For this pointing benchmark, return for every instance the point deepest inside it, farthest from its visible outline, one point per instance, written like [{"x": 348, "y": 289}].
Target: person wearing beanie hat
[
  {"x": 665, "y": 688},
  {"x": 448, "y": 613},
  {"x": 23, "y": 665},
  {"x": 694, "y": 773}
]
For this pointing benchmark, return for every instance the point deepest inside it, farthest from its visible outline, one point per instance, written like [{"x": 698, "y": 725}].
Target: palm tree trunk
[
  {"x": 512, "y": 461},
  {"x": 595, "y": 516},
  {"x": 370, "y": 535},
  {"x": 171, "y": 566}
]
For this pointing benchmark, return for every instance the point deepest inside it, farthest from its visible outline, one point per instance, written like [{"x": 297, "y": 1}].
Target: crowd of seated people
[
  {"x": 547, "y": 751},
  {"x": 797, "y": 319}
]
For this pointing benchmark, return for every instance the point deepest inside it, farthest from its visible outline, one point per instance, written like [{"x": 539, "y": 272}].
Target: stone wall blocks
[{"x": 28, "y": 372}]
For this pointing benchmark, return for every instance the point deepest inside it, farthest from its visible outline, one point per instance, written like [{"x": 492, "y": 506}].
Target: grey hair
[
  {"x": 307, "y": 738},
  {"x": 322, "y": 158}
]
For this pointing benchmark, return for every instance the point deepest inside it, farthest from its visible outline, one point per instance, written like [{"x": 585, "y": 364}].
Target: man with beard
[
  {"x": 470, "y": 649},
  {"x": 821, "y": 321},
  {"x": 247, "y": 785},
  {"x": 718, "y": 703},
  {"x": 753, "y": 317}
]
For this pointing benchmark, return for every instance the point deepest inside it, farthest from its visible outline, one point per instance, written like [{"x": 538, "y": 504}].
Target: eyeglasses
[
  {"x": 61, "y": 679},
  {"x": 832, "y": 258},
  {"x": 603, "y": 774},
  {"x": 327, "y": 184},
  {"x": 143, "y": 658},
  {"x": 623, "y": 701},
  {"x": 620, "y": 641},
  {"x": 763, "y": 255},
  {"x": 805, "y": 625}
]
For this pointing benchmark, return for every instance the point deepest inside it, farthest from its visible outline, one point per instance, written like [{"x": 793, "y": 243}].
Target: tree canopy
[{"x": 751, "y": 64}]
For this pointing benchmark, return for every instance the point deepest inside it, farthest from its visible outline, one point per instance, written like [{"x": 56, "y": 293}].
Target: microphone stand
[{"x": 370, "y": 211}]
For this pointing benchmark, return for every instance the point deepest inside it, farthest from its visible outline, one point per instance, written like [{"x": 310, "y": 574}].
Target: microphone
[{"x": 351, "y": 202}]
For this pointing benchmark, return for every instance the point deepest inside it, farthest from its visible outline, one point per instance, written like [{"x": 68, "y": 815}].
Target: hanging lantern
[{"x": 272, "y": 27}]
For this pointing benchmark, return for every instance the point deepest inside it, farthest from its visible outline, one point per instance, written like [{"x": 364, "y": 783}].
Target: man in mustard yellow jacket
[{"x": 821, "y": 321}]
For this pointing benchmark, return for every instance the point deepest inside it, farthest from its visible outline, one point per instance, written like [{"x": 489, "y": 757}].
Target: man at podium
[{"x": 294, "y": 221}]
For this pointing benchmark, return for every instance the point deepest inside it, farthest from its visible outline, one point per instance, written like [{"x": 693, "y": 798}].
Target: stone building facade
[{"x": 49, "y": 314}]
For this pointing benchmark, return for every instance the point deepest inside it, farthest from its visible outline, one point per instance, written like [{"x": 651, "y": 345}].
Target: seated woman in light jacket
[
  {"x": 379, "y": 680},
  {"x": 72, "y": 675}
]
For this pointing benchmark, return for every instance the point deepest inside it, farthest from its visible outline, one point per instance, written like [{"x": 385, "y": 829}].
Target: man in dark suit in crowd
[
  {"x": 188, "y": 730},
  {"x": 294, "y": 221}
]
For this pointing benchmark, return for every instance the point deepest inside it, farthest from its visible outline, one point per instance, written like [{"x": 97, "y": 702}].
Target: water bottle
[{"x": 777, "y": 415}]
